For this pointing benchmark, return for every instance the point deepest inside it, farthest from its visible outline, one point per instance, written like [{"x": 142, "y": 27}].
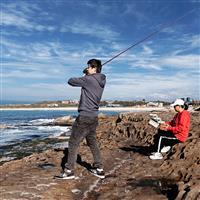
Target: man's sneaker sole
[
  {"x": 97, "y": 175},
  {"x": 65, "y": 177}
]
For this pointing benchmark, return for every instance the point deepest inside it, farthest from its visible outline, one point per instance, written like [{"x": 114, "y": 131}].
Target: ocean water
[{"x": 31, "y": 124}]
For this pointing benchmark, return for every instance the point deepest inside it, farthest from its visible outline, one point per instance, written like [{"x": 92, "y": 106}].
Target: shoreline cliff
[{"x": 130, "y": 174}]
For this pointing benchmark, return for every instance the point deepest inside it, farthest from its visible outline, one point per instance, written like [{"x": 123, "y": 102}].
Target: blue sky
[{"x": 43, "y": 43}]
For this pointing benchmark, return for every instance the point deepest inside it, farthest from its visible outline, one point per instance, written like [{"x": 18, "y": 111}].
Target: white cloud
[
  {"x": 41, "y": 91},
  {"x": 133, "y": 10},
  {"x": 47, "y": 60},
  {"x": 38, "y": 92},
  {"x": 192, "y": 40},
  {"x": 147, "y": 50},
  {"x": 150, "y": 58},
  {"x": 44, "y": 55},
  {"x": 169, "y": 30},
  {"x": 119, "y": 86},
  {"x": 18, "y": 7},
  {"x": 180, "y": 62},
  {"x": 9, "y": 19},
  {"x": 154, "y": 86},
  {"x": 27, "y": 74},
  {"x": 185, "y": 43},
  {"x": 21, "y": 15},
  {"x": 54, "y": 61},
  {"x": 94, "y": 30}
]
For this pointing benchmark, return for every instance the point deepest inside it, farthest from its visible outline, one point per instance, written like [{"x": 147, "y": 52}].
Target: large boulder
[{"x": 64, "y": 121}]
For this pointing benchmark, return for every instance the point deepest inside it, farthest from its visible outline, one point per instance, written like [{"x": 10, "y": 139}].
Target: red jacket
[{"x": 180, "y": 125}]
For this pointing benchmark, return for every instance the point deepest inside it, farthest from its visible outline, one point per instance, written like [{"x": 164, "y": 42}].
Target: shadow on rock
[
  {"x": 64, "y": 159},
  {"x": 46, "y": 165},
  {"x": 83, "y": 163},
  {"x": 79, "y": 160},
  {"x": 167, "y": 187},
  {"x": 144, "y": 150}
]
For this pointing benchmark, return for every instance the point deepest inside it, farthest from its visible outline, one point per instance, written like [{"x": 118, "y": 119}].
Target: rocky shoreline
[{"x": 130, "y": 174}]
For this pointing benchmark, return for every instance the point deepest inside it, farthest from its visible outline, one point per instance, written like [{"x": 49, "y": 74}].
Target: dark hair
[
  {"x": 94, "y": 63},
  {"x": 185, "y": 106}
]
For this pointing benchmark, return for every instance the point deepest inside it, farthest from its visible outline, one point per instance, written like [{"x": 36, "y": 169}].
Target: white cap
[{"x": 178, "y": 102}]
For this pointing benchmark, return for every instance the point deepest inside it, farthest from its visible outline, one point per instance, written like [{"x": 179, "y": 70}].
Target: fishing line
[{"x": 164, "y": 26}]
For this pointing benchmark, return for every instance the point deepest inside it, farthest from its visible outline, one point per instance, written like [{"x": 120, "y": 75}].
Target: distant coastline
[{"x": 131, "y": 108}]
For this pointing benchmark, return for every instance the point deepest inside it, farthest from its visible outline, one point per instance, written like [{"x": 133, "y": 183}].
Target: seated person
[{"x": 173, "y": 132}]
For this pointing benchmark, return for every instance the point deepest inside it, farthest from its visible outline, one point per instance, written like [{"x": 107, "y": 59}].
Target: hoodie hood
[{"x": 101, "y": 79}]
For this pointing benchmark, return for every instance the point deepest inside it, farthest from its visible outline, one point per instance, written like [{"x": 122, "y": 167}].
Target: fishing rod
[{"x": 164, "y": 26}]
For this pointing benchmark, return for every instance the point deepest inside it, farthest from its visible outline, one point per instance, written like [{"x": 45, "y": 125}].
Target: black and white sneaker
[
  {"x": 68, "y": 174},
  {"x": 98, "y": 172}
]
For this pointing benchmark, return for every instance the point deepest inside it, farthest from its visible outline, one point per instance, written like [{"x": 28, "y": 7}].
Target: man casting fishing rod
[{"x": 92, "y": 86}]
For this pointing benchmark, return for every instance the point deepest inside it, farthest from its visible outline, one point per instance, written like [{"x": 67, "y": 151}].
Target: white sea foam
[
  {"x": 28, "y": 126},
  {"x": 11, "y": 131},
  {"x": 61, "y": 145},
  {"x": 26, "y": 132},
  {"x": 40, "y": 121},
  {"x": 5, "y": 159},
  {"x": 60, "y": 129}
]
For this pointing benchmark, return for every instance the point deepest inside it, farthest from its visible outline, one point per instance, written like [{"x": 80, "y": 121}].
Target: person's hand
[
  {"x": 85, "y": 71},
  {"x": 164, "y": 126}
]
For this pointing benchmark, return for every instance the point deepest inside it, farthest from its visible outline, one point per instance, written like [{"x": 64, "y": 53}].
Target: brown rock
[
  {"x": 64, "y": 121},
  {"x": 129, "y": 173}
]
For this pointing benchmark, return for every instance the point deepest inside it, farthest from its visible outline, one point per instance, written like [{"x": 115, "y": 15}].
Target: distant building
[
  {"x": 155, "y": 104},
  {"x": 66, "y": 102},
  {"x": 160, "y": 105},
  {"x": 152, "y": 104},
  {"x": 52, "y": 105},
  {"x": 70, "y": 102},
  {"x": 113, "y": 105},
  {"x": 196, "y": 102}
]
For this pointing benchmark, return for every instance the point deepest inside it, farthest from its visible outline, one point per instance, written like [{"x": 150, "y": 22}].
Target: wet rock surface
[{"x": 130, "y": 174}]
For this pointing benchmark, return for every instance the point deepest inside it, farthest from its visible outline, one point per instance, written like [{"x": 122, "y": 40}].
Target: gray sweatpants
[{"x": 83, "y": 127}]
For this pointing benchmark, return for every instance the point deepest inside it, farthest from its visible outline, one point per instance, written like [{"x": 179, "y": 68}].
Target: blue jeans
[{"x": 83, "y": 127}]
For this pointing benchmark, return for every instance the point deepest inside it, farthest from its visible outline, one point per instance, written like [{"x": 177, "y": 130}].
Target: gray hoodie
[{"x": 91, "y": 92}]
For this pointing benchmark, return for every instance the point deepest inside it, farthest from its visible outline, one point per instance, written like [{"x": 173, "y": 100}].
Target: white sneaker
[
  {"x": 156, "y": 156},
  {"x": 98, "y": 172},
  {"x": 68, "y": 174},
  {"x": 165, "y": 149}
]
